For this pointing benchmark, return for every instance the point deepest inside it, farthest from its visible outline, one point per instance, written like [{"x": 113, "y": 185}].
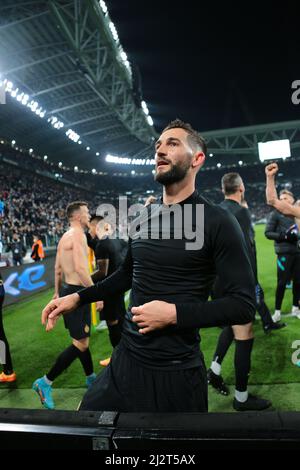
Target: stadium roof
[
  {"x": 66, "y": 57},
  {"x": 66, "y": 64}
]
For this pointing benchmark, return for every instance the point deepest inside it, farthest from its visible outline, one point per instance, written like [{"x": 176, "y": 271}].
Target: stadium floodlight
[
  {"x": 75, "y": 168},
  {"x": 94, "y": 171},
  {"x": 132, "y": 172},
  {"x": 211, "y": 154},
  {"x": 60, "y": 164},
  {"x": 45, "y": 157},
  {"x": 14, "y": 92},
  {"x": 88, "y": 148},
  {"x": 274, "y": 149},
  {"x": 129, "y": 161},
  {"x": 55, "y": 122},
  {"x": 30, "y": 150},
  {"x": 97, "y": 153},
  {"x": 79, "y": 142},
  {"x": 113, "y": 31},
  {"x": 145, "y": 108},
  {"x": 123, "y": 55},
  {"x": 219, "y": 165},
  {"x": 113, "y": 159},
  {"x": 240, "y": 162},
  {"x": 13, "y": 142},
  {"x": 72, "y": 135},
  {"x": 150, "y": 120},
  {"x": 138, "y": 161},
  {"x": 153, "y": 172},
  {"x": 103, "y": 6},
  {"x": 25, "y": 100},
  {"x": 9, "y": 86}
]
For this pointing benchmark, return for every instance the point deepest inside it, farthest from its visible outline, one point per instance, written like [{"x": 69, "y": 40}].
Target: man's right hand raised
[
  {"x": 58, "y": 307},
  {"x": 271, "y": 170}
]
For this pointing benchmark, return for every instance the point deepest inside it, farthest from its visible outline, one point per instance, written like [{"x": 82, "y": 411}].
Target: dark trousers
[
  {"x": 17, "y": 261},
  {"x": 288, "y": 268},
  {"x": 127, "y": 386},
  {"x": 7, "y": 367}
]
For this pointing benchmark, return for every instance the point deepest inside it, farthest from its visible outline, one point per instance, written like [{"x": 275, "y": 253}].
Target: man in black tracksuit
[
  {"x": 18, "y": 250},
  {"x": 281, "y": 229},
  {"x": 108, "y": 256},
  {"x": 233, "y": 189},
  {"x": 158, "y": 365}
]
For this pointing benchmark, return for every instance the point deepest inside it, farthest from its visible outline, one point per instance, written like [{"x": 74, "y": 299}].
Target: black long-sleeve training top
[
  {"x": 163, "y": 269},
  {"x": 277, "y": 225},
  {"x": 242, "y": 215}
]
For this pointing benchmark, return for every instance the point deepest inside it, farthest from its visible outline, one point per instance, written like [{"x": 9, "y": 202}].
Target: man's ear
[{"x": 198, "y": 160}]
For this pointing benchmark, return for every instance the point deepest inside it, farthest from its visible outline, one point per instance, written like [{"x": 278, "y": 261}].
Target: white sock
[
  {"x": 295, "y": 308},
  {"x": 216, "y": 367},
  {"x": 48, "y": 382},
  {"x": 277, "y": 312},
  {"x": 241, "y": 396}
]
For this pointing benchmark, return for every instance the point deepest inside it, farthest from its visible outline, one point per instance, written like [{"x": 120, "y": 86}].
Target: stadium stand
[{"x": 36, "y": 192}]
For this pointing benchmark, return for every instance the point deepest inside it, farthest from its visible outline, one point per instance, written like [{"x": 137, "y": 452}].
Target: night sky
[{"x": 214, "y": 65}]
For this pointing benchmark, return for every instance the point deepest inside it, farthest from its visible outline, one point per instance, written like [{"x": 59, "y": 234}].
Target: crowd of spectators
[{"x": 33, "y": 196}]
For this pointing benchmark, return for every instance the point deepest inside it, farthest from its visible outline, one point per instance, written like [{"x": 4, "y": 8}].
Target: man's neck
[
  {"x": 76, "y": 225},
  {"x": 177, "y": 192},
  {"x": 234, "y": 197}
]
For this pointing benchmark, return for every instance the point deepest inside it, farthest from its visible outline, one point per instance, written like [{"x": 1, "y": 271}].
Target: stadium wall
[{"x": 24, "y": 281}]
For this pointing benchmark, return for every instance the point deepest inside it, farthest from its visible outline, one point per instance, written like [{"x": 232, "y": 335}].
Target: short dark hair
[
  {"x": 96, "y": 218},
  {"x": 194, "y": 138},
  {"x": 286, "y": 191},
  {"x": 73, "y": 207},
  {"x": 230, "y": 183}
]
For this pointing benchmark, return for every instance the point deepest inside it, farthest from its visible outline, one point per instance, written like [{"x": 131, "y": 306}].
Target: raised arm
[{"x": 271, "y": 194}]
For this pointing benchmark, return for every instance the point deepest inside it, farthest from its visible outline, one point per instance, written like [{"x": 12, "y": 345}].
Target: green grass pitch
[{"x": 273, "y": 374}]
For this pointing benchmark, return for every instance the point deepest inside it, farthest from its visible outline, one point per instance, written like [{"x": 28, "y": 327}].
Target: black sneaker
[
  {"x": 273, "y": 326},
  {"x": 217, "y": 382},
  {"x": 253, "y": 403}
]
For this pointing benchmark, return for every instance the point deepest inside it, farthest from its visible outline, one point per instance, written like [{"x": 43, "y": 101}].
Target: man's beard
[{"x": 174, "y": 175}]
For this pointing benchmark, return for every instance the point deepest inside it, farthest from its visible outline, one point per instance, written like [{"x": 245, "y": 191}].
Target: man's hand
[
  {"x": 292, "y": 234},
  {"x": 154, "y": 315},
  {"x": 150, "y": 200},
  {"x": 58, "y": 307},
  {"x": 271, "y": 170},
  {"x": 99, "y": 305}
]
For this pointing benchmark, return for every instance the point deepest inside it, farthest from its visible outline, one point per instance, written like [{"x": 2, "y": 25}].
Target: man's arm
[
  {"x": 271, "y": 193},
  {"x": 57, "y": 275},
  {"x": 271, "y": 232},
  {"x": 80, "y": 258},
  {"x": 101, "y": 273},
  {"x": 237, "y": 304},
  {"x": 235, "y": 275},
  {"x": 119, "y": 281},
  {"x": 102, "y": 260}
]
